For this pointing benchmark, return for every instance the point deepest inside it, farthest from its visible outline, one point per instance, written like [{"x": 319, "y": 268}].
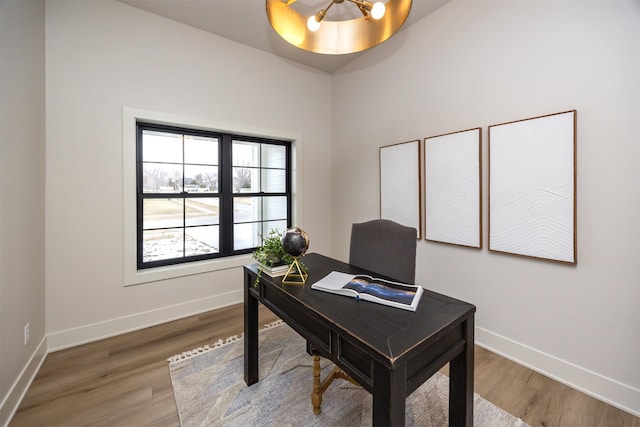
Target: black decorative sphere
[{"x": 295, "y": 241}]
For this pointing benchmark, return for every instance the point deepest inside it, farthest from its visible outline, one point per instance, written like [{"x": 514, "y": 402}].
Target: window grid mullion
[
  {"x": 227, "y": 202},
  {"x": 261, "y": 189},
  {"x": 184, "y": 206}
]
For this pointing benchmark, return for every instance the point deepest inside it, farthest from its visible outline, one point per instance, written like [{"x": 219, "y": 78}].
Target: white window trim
[{"x": 133, "y": 276}]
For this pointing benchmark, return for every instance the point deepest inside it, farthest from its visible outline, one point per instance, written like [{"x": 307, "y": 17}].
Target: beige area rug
[{"x": 209, "y": 387}]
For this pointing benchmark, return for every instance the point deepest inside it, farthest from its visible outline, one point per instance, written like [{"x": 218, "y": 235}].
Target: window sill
[{"x": 136, "y": 277}]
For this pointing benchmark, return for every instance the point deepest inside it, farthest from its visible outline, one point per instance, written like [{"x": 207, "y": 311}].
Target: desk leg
[
  {"x": 389, "y": 394},
  {"x": 461, "y": 382},
  {"x": 250, "y": 333}
]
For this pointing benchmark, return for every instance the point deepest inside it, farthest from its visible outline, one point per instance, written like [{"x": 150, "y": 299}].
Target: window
[{"x": 204, "y": 195}]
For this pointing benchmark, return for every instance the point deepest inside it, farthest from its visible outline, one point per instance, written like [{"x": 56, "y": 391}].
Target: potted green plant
[{"x": 270, "y": 253}]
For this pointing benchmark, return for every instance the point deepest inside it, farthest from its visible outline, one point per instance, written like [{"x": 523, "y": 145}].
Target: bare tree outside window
[
  {"x": 242, "y": 178},
  {"x": 153, "y": 178},
  {"x": 210, "y": 181}
]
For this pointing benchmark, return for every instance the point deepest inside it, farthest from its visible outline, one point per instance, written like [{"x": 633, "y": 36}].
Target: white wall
[
  {"x": 22, "y": 148},
  {"x": 478, "y": 63},
  {"x": 468, "y": 64},
  {"x": 102, "y": 56}
]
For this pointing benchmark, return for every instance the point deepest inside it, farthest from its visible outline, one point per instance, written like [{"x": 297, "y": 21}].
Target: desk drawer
[
  {"x": 356, "y": 361},
  {"x": 299, "y": 318}
]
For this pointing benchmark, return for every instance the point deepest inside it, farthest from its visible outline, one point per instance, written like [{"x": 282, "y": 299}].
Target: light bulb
[
  {"x": 378, "y": 10},
  {"x": 312, "y": 24}
]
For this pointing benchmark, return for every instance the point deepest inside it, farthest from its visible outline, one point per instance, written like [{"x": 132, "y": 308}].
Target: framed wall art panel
[
  {"x": 400, "y": 181},
  {"x": 532, "y": 187},
  {"x": 453, "y": 188}
]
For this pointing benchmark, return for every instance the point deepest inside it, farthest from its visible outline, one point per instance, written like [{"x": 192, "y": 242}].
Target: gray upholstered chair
[{"x": 383, "y": 247}]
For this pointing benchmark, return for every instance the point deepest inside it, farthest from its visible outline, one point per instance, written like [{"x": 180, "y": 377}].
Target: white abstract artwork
[
  {"x": 532, "y": 187},
  {"x": 453, "y": 187},
  {"x": 400, "y": 199}
]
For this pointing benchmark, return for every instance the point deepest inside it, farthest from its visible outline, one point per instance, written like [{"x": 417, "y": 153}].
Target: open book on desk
[{"x": 380, "y": 291}]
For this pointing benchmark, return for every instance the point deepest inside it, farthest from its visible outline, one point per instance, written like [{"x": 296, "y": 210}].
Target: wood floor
[{"x": 124, "y": 381}]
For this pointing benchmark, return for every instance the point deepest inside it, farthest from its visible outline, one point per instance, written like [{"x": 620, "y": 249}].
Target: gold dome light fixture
[{"x": 314, "y": 33}]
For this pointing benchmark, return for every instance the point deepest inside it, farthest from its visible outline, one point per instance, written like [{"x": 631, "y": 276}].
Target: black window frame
[{"x": 225, "y": 192}]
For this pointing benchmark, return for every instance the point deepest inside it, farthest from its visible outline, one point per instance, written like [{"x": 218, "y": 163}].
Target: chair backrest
[{"x": 384, "y": 247}]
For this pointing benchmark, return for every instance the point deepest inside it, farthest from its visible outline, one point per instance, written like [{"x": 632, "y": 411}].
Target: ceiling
[{"x": 245, "y": 21}]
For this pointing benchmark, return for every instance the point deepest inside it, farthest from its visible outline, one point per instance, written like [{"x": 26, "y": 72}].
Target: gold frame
[
  {"x": 295, "y": 275},
  {"x": 336, "y": 37}
]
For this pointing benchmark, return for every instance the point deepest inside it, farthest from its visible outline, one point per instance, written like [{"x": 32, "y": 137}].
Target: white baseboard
[
  {"x": 615, "y": 393},
  {"x": 97, "y": 331},
  {"x": 19, "y": 388}
]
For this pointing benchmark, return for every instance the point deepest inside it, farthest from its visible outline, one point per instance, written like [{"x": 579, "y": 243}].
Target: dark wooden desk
[{"x": 389, "y": 351}]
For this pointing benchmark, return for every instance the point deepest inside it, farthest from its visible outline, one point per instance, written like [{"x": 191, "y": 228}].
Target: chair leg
[
  {"x": 319, "y": 387},
  {"x": 316, "y": 395}
]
